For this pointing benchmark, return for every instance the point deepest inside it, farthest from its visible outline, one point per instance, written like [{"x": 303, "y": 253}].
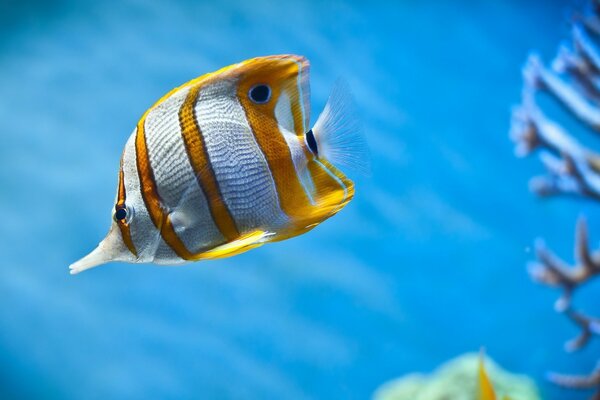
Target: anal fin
[{"x": 243, "y": 243}]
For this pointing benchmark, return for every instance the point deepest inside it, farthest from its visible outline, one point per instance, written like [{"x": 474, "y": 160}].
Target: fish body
[{"x": 227, "y": 162}]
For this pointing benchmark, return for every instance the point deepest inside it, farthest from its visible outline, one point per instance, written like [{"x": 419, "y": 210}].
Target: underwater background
[{"x": 426, "y": 263}]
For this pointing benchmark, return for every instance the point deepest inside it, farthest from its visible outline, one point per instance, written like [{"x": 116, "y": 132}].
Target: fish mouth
[
  {"x": 110, "y": 249},
  {"x": 97, "y": 257}
]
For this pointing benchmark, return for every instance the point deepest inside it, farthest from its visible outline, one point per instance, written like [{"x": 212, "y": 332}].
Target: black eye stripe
[
  {"x": 312, "y": 142},
  {"x": 260, "y": 93}
]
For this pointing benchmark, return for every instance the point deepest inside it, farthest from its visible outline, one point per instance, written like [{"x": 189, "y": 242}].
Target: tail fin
[{"x": 339, "y": 134}]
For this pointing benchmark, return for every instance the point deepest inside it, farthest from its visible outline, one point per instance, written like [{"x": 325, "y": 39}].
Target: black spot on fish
[
  {"x": 312, "y": 142},
  {"x": 260, "y": 93}
]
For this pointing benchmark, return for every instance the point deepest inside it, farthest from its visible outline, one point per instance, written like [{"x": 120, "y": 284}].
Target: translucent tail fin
[{"x": 339, "y": 134}]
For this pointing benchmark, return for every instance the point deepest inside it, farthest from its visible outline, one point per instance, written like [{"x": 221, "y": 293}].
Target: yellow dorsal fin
[
  {"x": 243, "y": 243},
  {"x": 486, "y": 390}
]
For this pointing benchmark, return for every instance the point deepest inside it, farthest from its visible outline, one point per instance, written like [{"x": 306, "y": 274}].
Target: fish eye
[
  {"x": 121, "y": 213},
  {"x": 260, "y": 93}
]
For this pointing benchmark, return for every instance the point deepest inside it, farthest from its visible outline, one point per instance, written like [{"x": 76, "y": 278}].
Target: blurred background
[{"x": 427, "y": 262}]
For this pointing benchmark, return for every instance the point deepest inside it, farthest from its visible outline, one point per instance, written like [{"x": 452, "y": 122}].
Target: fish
[{"x": 228, "y": 162}]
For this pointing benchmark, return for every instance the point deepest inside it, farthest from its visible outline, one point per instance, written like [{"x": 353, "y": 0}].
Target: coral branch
[
  {"x": 572, "y": 168},
  {"x": 573, "y": 80},
  {"x": 537, "y": 77},
  {"x": 581, "y": 70},
  {"x": 552, "y": 271},
  {"x": 577, "y": 381},
  {"x": 589, "y": 327},
  {"x": 586, "y": 48}
]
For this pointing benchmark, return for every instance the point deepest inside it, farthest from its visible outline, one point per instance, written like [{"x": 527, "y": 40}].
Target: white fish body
[{"x": 226, "y": 163}]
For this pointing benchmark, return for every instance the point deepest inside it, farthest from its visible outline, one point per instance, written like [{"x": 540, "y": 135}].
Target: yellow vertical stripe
[
  {"x": 159, "y": 218},
  {"x": 198, "y": 156},
  {"x": 263, "y": 123}
]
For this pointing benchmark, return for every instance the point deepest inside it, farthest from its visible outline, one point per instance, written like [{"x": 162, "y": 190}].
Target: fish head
[
  {"x": 275, "y": 92},
  {"x": 118, "y": 245}
]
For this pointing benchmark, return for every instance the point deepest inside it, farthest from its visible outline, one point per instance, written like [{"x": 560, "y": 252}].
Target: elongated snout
[{"x": 110, "y": 249}]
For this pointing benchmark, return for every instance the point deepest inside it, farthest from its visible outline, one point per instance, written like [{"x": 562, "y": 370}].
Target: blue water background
[{"x": 426, "y": 263}]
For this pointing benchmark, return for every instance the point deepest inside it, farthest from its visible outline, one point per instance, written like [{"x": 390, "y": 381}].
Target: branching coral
[
  {"x": 552, "y": 271},
  {"x": 573, "y": 80},
  {"x": 578, "y": 382},
  {"x": 589, "y": 326}
]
